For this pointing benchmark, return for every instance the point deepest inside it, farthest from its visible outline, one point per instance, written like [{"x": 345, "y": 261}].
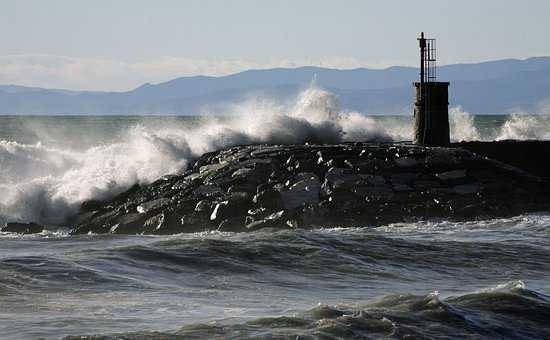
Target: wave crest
[{"x": 46, "y": 184}]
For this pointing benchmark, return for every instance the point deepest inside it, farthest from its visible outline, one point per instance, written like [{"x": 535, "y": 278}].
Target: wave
[
  {"x": 46, "y": 184},
  {"x": 517, "y": 126},
  {"x": 462, "y": 126},
  {"x": 263, "y": 284},
  {"x": 507, "y": 311},
  {"x": 523, "y": 126},
  {"x": 286, "y": 257}
]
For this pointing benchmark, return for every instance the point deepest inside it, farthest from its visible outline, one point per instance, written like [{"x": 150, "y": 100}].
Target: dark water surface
[{"x": 481, "y": 279}]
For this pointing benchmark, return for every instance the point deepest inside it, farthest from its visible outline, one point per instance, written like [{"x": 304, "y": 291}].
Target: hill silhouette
[{"x": 488, "y": 87}]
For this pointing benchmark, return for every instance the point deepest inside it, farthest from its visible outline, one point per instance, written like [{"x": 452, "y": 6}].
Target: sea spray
[
  {"x": 47, "y": 181},
  {"x": 461, "y": 124},
  {"x": 523, "y": 126},
  {"x": 46, "y": 184}
]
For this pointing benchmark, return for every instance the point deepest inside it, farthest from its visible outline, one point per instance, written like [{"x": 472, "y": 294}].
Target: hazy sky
[{"x": 119, "y": 44}]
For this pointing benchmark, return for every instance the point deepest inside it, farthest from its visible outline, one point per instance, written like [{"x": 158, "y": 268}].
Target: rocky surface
[
  {"x": 23, "y": 228},
  {"x": 527, "y": 155},
  {"x": 246, "y": 188}
]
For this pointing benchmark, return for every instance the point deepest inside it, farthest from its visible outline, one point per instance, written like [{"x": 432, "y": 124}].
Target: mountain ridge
[{"x": 479, "y": 87}]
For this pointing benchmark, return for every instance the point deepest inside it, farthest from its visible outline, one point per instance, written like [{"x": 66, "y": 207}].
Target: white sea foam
[
  {"x": 522, "y": 126},
  {"x": 461, "y": 125},
  {"x": 518, "y": 126},
  {"x": 45, "y": 184}
]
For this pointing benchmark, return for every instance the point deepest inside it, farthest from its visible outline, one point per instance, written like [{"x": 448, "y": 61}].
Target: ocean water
[{"x": 427, "y": 279}]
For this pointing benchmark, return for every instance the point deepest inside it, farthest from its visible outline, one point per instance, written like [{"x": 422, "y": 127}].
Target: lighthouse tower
[{"x": 431, "y": 108}]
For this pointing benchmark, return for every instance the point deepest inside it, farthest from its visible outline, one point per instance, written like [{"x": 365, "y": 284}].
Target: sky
[{"x": 117, "y": 45}]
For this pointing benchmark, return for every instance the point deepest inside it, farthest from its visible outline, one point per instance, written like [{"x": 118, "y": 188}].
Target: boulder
[
  {"x": 22, "y": 228},
  {"x": 303, "y": 192},
  {"x": 245, "y": 188},
  {"x": 450, "y": 175},
  {"x": 152, "y": 206}
]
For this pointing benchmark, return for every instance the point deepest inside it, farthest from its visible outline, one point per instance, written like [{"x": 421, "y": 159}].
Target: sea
[{"x": 433, "y": 279}]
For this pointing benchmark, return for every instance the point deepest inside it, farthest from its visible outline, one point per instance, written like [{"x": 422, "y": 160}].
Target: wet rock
[
  {"x": 237, "y": 205},
  {"x": 466, "y": 189},
  {"x": 305, "y": 191},
  {"x": 153, "y": 205},
  {"x": 338, "y": 178},
  {"x": 209, "y": 168},
  {"x": 207, "y": 190},
  {"x": 132, "y": 223},
  {"x": 242, "y": 172},
  {"x": 22, "y": 228},
  {"x": 245, "y": 188},
  {"x": 426, "y": 184},
  {"x": 374, "y": 192},
  {"x": 450, "y": 175},
  {"x": 218, "y": 212},
  {"x": 398, "y": 187},
  {"x": 181, "y": 184},
  {"x": 91, "y": 205},
  {"x": 270, "y": 199},
  {"x": 274, "y": 220},
  {"x": 203, "y": 205},
  {"x": 155, "y": 223},
  {"x": 376, "y": 180},
  {"x": 406, "y": 162},
  {"x": 404, "y": 178},
  {"x": 233, "y": 224}
]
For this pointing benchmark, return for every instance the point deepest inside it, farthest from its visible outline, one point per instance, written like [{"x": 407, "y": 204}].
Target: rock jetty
[
  {"x": 245, "y": 188},
  {"x": 22, "y": 228}
]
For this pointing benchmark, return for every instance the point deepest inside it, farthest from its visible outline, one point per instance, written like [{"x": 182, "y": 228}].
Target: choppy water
[
  {"x": 478, "y": 279},
  {"x": 426, "y": 279}
]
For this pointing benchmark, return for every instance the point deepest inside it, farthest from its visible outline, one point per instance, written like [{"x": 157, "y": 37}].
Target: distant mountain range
[{"x": 488, "y": 87}]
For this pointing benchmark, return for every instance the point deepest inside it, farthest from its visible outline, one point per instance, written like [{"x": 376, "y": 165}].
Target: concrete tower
[{"x": 431, "y": 108}]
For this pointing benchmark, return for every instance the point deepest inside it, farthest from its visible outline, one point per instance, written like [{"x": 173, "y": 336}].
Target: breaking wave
[
  {"x": 517, "y": 126},
  {"x": 461, "y": 125},
  {"x": 507, "y": 311},
  {"x": 372, "y": 283},
  {"x": 45, "y": 184},
  {"x": 524, "y": 126}
]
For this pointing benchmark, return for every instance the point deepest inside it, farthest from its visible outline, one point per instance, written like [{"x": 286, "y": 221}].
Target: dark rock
[
  {"x": 407, "y": 162},
  {"x": 246, "y": 187},
  {"x": 132, "y": 223},
  {"x": 270, "y": 199},
  {"x": 203, "y": 205},
  {"x": 91, "y": 205},
  {"x": 250, "y": 187},
  {"x": 467, "y": 189},
  {"x": 237, "y": 204},
  {"x": 451, "y": 175},
  {"x": 152, "y": 206},
  {"x": 22, "y": 228},
  {"x": 207, "y": 190},
  {"x": 404, "y": 177},
  {"x": 305, "y": 190},
  {"x": 274, "y": 220}
]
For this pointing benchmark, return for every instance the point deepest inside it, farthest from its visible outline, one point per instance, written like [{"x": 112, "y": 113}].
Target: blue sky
[{"x": 117, "y": 45}]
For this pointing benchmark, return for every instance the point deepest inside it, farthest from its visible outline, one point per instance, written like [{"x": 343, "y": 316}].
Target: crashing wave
[
  {"x": 46, "y": 183},
  {"x": 509, "y": 311}
]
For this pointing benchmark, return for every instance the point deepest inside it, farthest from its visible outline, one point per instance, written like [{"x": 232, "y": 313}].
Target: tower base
[{"x": 431, "y": 114}]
